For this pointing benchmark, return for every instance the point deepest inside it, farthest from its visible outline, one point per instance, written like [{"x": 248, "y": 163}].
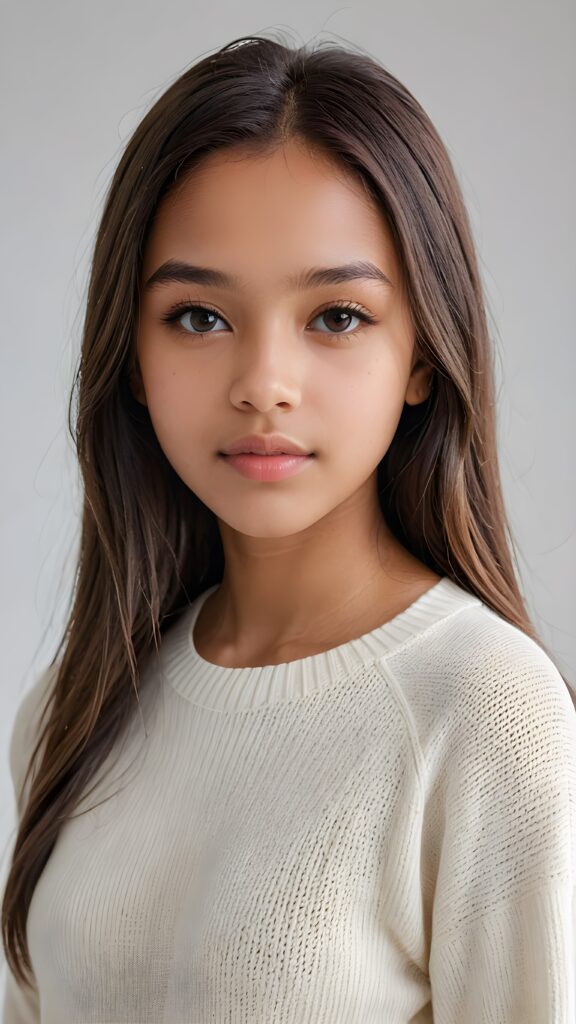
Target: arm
[
  {"x": 514, "y": 964},
  {"x": 22, "y": 1005},
  {"x": 503, "y": 945}
]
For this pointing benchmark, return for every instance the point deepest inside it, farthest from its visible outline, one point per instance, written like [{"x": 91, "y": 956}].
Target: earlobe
[
  {"x": 135, "y": 384},
  {"x": 419, "y": 385}
]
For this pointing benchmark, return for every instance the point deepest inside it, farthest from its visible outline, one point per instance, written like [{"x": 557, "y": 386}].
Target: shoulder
[
  {"x": 508, "y": 700},
  {"x": 476, "y": 655},
  {"x": 499, "y": 664},
  {"x": 481, "y": 692},
  {"x": 26, "y": 726}
]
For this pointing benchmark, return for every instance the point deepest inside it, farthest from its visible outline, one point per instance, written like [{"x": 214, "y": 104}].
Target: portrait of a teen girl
[{"x": 300, "y": 756}]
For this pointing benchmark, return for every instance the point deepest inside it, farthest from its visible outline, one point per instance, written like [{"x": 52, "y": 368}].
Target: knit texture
[{"x": 382, "y": 833}]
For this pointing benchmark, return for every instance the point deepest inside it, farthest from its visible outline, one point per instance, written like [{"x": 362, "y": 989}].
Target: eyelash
[{"x": 174, "y": 314}]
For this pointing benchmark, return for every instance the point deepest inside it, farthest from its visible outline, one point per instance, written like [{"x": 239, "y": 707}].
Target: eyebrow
[{"x": 176, "y": 270}]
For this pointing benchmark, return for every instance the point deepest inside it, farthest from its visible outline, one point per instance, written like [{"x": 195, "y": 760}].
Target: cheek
[
  {"x": 179, "y": 407},
  {"x": 161, "y": 374},
  {"x": 361, "y": 407}
]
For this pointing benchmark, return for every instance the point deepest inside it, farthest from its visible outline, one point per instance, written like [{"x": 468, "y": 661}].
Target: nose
[{"x": 267, "y": 371}]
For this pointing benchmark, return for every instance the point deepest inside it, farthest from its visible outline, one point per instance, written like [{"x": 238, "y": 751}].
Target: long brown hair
[{"x": 148, "y": 545}]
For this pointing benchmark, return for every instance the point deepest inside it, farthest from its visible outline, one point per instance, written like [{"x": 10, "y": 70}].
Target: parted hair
[{"x": 148, "y": 545}]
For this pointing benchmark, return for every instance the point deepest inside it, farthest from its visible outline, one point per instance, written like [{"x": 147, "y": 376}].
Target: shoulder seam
[{"x": 411, "y": 640}]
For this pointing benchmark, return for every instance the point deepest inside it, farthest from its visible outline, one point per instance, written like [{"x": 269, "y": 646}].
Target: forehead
[{"x": 269, "y": 215}]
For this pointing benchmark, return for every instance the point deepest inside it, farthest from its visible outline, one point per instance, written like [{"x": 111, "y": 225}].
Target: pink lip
[
  {"x": 265, "y": 444},
  {"x": 267, "y": 467}
]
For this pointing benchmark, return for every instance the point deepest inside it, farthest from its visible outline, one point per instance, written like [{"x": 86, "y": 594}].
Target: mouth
[
  {"x": 273, "y": 467},
  {"x": 265, "y": 444},
  {"x": 269, "y": 455}
]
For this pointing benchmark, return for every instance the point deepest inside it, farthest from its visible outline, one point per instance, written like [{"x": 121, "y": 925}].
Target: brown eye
[
  {"x": 200, "y": 319},
  {"x": 336, "y": 318}
]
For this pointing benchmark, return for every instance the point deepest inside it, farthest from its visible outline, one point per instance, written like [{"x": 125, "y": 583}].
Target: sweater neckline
[{"x": 219, "y": 687}]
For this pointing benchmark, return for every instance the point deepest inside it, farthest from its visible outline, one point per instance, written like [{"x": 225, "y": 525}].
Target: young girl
[{"x": 347, "y": 764}]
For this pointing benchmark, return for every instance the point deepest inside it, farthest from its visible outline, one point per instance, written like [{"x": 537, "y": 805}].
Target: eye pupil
[
  {"x": 338, "y": 313},
  {"x": 202, "y": 316}
]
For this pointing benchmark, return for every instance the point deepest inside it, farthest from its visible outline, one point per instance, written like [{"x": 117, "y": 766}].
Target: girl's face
[{"x": 272, "y": 356}]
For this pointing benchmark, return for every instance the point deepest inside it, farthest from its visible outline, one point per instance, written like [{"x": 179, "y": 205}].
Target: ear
[
  {"x": 135, "y": 383},
  {"x": 419, "y": 383}
]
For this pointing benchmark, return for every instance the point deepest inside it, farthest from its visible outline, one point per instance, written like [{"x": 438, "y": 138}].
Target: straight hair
[{"x": 148, "y": 545}]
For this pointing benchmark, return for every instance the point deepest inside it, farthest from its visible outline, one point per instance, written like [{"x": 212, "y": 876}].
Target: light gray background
[{"x": 498, "y": 81}]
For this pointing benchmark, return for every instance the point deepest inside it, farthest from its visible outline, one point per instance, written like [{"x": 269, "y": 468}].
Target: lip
[
  {"x": 267, "y": 467},
  {"x": 265, "y": 444}
]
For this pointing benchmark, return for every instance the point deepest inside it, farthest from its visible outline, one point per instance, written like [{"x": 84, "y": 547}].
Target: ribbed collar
[{"x": 237, "y": 689}]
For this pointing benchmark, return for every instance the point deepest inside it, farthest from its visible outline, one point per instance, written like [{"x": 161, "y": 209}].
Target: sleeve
[
  {"x": 503, "y": 935},
  {"x": 22, "y": 1005}
]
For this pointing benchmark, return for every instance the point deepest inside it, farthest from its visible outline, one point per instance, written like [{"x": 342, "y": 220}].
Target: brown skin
[{"x": 309, "y": 561}]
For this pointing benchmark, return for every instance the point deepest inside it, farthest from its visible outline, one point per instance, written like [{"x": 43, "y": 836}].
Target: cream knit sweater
[{"x": 382, "y": 833}]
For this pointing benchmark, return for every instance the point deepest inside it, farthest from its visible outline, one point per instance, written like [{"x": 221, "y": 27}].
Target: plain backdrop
[{"x": 497, "y": 80}]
